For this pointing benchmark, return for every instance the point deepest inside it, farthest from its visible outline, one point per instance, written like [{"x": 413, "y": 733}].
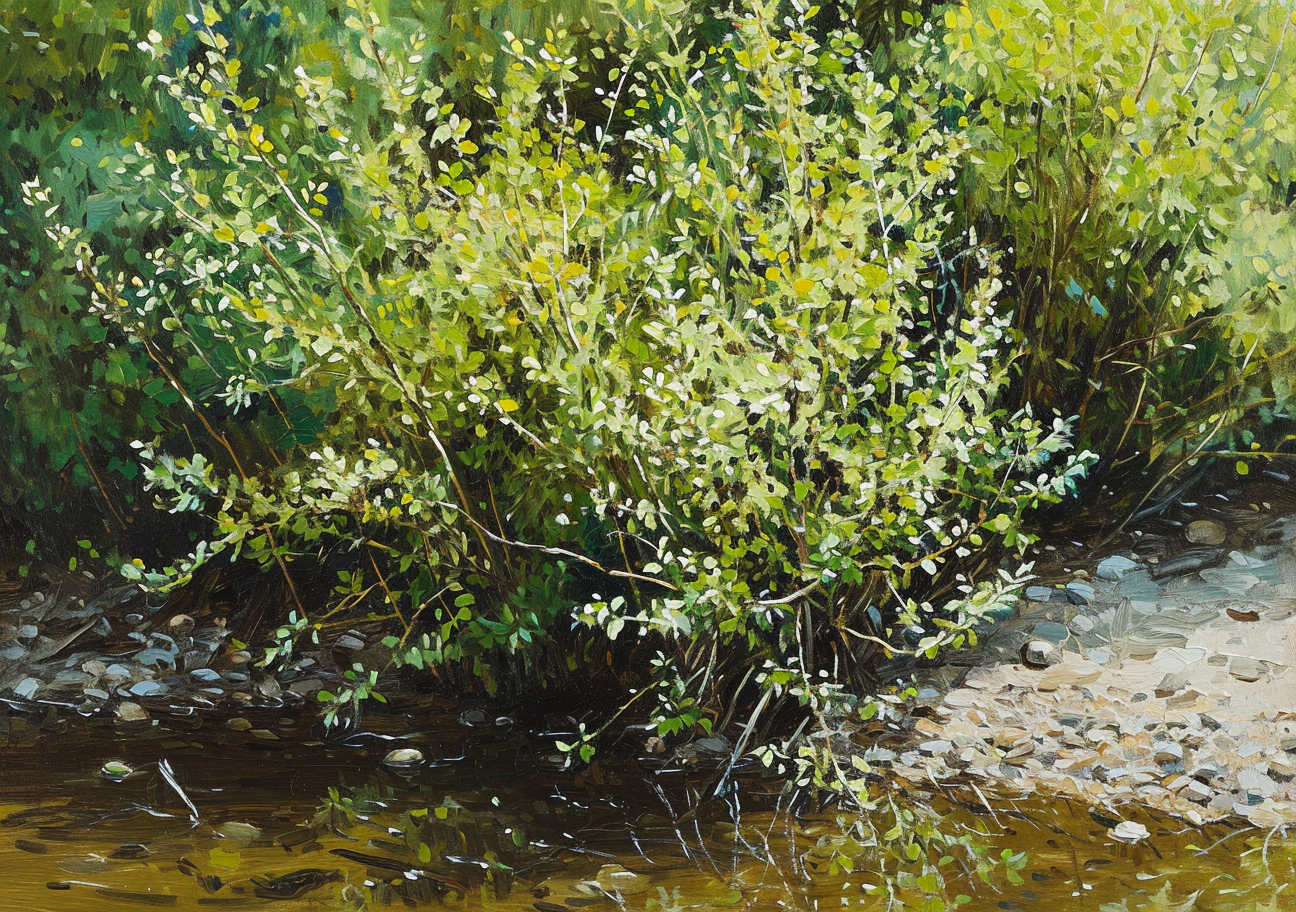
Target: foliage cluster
[
  {"x": 1136, "y": 159},
  {"x": 700, "y": 370}
]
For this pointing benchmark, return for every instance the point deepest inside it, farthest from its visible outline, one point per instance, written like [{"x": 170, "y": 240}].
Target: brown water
[{"x": 496, "y": 825}]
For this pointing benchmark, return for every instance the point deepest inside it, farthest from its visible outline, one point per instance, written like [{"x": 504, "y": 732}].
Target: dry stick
[
  {"x": 557, "y": 552},
  {"x": 238, "y": 466},
  {"x": 1195, "y": 453},
  {"x": 76, "y": 429},
  {"x": 508, "y": 559},
  {"x": 390, "y": 600},
  {"x": 164, "y": 767}
]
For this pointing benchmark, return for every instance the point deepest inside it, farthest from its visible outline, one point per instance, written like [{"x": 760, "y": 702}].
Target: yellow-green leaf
[
  {"x": 1128, "y": 107},
  {"x": 803, "y": 286},
  {"x": 468, "y": 147},
  {"x": 508, "y": 405}
]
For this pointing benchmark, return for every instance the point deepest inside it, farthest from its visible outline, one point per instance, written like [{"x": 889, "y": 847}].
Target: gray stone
[
  {"x": 148, "y": 689},
  {"x": 1037, "y": 653},
  {"x": 1114, "y": 567},
  {"x": 1189, "y": 561},
  {"x": 1256, "y": 784},
  {"x": 1129, "y": 832},
  {"x": 1051, "y": 631},
  {"x": 350, "y": 643},
  {"x": 306, "y": 686},
  {"x": 1079, "y": 593}
]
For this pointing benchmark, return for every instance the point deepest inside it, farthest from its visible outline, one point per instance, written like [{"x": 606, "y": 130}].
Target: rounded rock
[
  {"x": 403, "y": 758},
  {"x": 1129, "y": 832},
  {"x": 1037, "y": 653},
  {"x": 1205, "y": 532}
]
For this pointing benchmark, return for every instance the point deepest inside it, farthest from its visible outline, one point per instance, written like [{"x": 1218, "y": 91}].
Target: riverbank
[
  {"x": 1158, "y": 676},
  {"x": 71, "y": 640}
]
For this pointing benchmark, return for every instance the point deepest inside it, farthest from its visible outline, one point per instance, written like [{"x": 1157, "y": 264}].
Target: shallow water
[{"x": 497, "y": 825}]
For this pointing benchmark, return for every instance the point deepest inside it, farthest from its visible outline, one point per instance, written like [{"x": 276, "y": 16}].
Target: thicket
[{"x": 719, "y": 352}]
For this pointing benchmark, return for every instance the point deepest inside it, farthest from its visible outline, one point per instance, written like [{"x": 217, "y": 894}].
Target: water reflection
[{"x": 286, "y": 821}]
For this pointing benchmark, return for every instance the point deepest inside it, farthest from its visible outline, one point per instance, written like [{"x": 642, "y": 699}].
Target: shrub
[
  {"x": 1126, "y": 154},
  {"x": 711, "y": 381}
]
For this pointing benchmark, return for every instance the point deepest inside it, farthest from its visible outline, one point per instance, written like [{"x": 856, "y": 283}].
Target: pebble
[
  {"x": 1169, "y": 753},
  {"x": 239, "y": 833},
  {"x": 147, "y": 689},
  {"x": 1205, "y": 532},
  {"x": 1082, "y": 624},
  {"x": 1114, "y": 567},
  {"x": 349, "y": 643},
  {"x": 1078, "y": 593},
  {"x": 1248, "y": 669},
  {"x": 1037, "y": 653},
  {"x": 1189, "y": 561},
  {"x": 1129, "y": 832},
  {"x": 403, "y": 758},
  {"x": 131, "y": 712},
  {"x": 1205, "y": 772},
  {"x": 616, "y": 880},
  {"x": 1256, "y": 784}
]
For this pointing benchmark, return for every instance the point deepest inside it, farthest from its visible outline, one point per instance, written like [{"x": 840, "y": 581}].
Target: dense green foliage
[
  {"x": 715, "y": 345},
  {"x": 694, "y": 378},
  {"x": 719, "y": 351},
  {"x": 1137, "y": 159}
]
